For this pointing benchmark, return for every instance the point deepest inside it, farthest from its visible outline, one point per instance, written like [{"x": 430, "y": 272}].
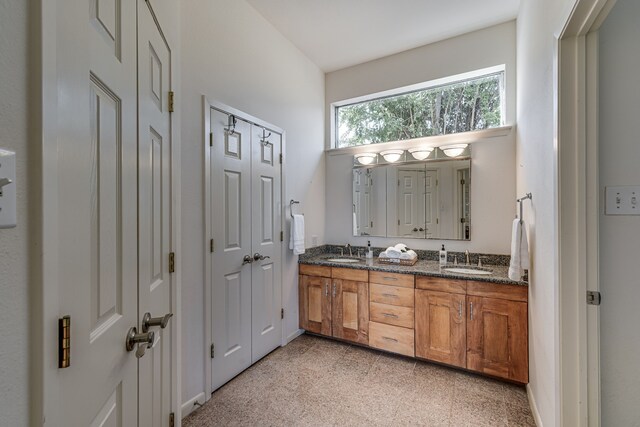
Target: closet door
[
  {"x": 231, "y": 229},
  {"x": 265, "y": 231}
]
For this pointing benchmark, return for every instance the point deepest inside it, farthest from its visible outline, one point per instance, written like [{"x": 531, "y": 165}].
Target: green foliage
[{"x": 459, "y": 107}]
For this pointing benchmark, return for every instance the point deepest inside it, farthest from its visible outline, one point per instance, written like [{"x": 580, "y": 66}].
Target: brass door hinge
[
  {"x": 213, "y": 350},
  {"x": 172, "y": 420},
  {"x": 282, "y": 236},
  {"x": 172, "y": 262},
  {"x": 211, "y": 139},
  {"x": 171, "y": 96},
  {"x": 282, "y": 313},
  {"x": 64, "y": 342},
  {"x": 211, "y": 246}
]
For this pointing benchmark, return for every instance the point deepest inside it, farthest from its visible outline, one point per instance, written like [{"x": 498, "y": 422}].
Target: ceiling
[{"x": 336, "y": 34}]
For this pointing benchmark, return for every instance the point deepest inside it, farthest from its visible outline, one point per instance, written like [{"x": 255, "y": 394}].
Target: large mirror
[{"x": 425, "y": 200}]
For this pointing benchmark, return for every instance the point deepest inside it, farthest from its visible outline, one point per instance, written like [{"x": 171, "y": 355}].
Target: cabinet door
[
  {"x": 497, "y": 338},
  {"x": 315, "y": 304},
  {"x": 351, "y": 310},
  {"x": 441, "y": 327}
]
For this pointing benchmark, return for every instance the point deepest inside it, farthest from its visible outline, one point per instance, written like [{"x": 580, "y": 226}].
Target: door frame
[
  {"x": 578, "y": 207},
  {"x": 207, "y": 104},
  {"x": 45, "y": 308}
]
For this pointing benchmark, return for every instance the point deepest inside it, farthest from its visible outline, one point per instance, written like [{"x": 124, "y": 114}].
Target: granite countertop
[{"x": 421, "y": 268}]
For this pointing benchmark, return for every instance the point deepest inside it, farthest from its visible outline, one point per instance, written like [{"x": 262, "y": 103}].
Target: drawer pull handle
[
  {"x": 390, "y": 315},
  {"x": 390, "y": 339},
  {"x": 390, "y": 295},
  {"x": 390, "y": 278}
]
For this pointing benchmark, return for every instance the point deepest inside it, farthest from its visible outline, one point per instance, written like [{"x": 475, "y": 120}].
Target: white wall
[
  {"x": 234, "y": 56},
  {"x": 19, "y": 258},
  {"x": 493, "y": 191},
  {"x": 538, "y": 20},
  {"x": 619, "y": 236}
]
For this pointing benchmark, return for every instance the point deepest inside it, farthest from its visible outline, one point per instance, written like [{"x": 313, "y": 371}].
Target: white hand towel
[
  {"x": 410, "y": 254},
  {"x": 401, "y": 247},
  {"x": 392, "y": 252},
  {"x": 355, "y": 225},
  {"x": 519, "y": 251},
  {"x": 296, "y": 242},
  {"x": 383, "y": 254}
]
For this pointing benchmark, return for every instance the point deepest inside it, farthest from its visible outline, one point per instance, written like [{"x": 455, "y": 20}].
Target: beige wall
[
  {"x": 234, "y": 56},
  {"x": 619, "y": 152},
  {"x": 493, "y": 191},
  {"x": 538, "y": 21},
  {"x": 19, "y": 251}
]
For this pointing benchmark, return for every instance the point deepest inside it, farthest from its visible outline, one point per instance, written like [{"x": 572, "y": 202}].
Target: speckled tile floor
[{"x": 319, "y": 382}]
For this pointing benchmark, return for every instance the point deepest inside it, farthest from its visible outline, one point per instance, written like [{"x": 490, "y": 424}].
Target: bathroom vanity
[{"x": 475, "y": 323}]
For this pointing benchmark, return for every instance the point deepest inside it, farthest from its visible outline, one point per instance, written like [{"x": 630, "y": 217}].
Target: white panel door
[
  {"x": 231, "y": 228},
  {"x": 363, "y": 184},
  {"x": 266, "y": 296},
  {"x": 431, "y": 203},
  {"x": 97, "y": 210},
  {"x": 154, "y": 210},
  {"x": 410, "y": 198}
]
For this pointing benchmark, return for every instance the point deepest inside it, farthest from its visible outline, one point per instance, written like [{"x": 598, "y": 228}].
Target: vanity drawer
[
  {"x": 393, "y": 279},
  {"x": 393, "y": 295},
  {"x": 391, "y": 315},
  {"x": 350, "y": 274},
  {"x": 440, "y": 284},
  {"x": 391, "y": 338},
  {"x": 315, "y": 270}
]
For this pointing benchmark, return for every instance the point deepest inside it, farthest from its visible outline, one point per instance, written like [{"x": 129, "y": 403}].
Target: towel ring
[{"x": 291, "y": 203}]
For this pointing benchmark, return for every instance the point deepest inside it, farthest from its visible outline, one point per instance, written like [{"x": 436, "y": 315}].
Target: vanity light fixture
[
  {"x": 420, "y": 153},
  {"x": 392, "y": 156},
  {"x": 366, "y": 158},
  {"x": 453, "y": 150}
]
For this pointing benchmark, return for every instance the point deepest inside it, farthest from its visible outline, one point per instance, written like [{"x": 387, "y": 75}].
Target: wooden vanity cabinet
[
  {"x": 497, "y": 330},
  {"x": 350, "y": 306},
  {"x": 315, "y": 304},
  {"x": 441, "y": 327},
  {"x": 334, "y": 302}
]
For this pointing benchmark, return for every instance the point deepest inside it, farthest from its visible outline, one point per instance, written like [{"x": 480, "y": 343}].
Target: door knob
[
  {"x": 133, "y": 338},
  {"x": 415, "y": 229},
  {"x": 148, "y": 321},
  {"x": 247, "y": 260},
  {"x": 421, "y": 229},
  {"x": 258, "y": 257}
]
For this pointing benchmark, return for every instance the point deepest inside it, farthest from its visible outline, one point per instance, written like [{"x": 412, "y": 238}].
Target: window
[{"x": 459, "y": 105}]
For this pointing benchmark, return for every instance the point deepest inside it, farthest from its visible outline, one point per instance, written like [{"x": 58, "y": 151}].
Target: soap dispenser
[
  {"x": 443, "y": 256},
  {"x": 369, "y": 250}
]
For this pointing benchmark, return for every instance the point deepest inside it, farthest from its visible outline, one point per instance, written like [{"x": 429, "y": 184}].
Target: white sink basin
[
  {"x": 466, "y": 270},
  {"x": 344, "y": 260}
]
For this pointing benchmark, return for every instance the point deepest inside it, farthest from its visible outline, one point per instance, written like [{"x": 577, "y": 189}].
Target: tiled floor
[{"x": 318, "y": 382}]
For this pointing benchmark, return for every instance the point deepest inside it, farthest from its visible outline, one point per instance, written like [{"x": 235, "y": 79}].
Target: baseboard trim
[
  {"x": 294, "y": 335},
  {"x": 534, "y": 407},
  {"x": 189, "y": 406}
]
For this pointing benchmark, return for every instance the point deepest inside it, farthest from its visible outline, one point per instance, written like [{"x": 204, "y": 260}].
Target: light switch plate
[
  {"x": 8, "y": 191},
  {"x": 622, "y": 200}
]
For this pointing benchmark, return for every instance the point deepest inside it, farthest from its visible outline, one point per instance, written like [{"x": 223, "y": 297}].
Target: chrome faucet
[
  {"x": 348, "y": 246},
  {"x": 466, "y": 256}
]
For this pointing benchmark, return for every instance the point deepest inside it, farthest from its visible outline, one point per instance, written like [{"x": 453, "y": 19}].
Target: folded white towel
[
  {"x": 296, "y": 242},
  {"x": 519, "y": 251},
  {"x": 383, "y": 254},
  {"x": 401, "y": 247},
  {"x": 410, "y": 254},
  {"x": 392, "y": 252}
]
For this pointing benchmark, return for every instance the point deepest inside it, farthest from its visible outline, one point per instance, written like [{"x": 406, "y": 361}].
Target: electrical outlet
[
  {"x": 7, "y": 189},
  {"x": 622, "y": 200},
  {"x": 314, "y": 241}
]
